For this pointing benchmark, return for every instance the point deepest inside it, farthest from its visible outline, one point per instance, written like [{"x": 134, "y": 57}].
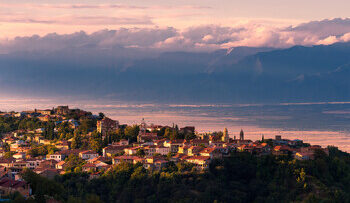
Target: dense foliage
[{"x": 240, "y": 178}]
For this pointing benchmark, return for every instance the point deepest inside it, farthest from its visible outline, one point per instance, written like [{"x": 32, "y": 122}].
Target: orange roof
[
  {"x": 199, "y": 158},
  {"x": 282, "y": 147},
  {"x": 208, "y": 150},
  {"x": 88, "y": 152},
  {"x": 61, "y": 163}
]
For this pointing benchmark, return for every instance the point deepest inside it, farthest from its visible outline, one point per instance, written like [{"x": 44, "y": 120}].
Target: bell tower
[
  {"x": 241, "y": 135},
  {"x": 225, "y": 136}
]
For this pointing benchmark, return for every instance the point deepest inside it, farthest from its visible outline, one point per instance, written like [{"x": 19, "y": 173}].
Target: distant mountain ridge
[{"x": 244, "y": 74}]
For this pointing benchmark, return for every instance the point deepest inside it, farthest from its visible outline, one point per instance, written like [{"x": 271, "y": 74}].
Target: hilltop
[{"x": 79, "y": 156}]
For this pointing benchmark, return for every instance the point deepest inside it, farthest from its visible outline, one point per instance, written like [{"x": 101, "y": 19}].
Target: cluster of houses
[{"x": 152, "y": 151}]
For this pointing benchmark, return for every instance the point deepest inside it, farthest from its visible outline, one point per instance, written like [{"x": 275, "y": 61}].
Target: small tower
[
  {"x": 143, "y": 126},
  {"x": 225, "y": 137},
  {"x": 241, "y": 135},
  {"x": 262, "y": 138}
]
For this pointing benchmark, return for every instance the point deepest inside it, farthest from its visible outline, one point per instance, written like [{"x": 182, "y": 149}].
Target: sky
[{"x": 219, "y": 23}]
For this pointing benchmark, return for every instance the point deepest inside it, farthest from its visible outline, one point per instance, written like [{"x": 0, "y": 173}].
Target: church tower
[
  {"x": 241, "y": 135},
  {"x": 225, "y": 137},
  {"x": 143, "y": 126}
]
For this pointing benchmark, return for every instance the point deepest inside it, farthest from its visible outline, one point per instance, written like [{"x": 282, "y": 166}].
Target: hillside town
[{"x": 61, "y": 140}]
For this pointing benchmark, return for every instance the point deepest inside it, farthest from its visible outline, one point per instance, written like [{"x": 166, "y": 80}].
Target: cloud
[
  {"x": 323, "y": 28},
  {"x": 78, "y": 20},
  {"x": 70, "y": 6},
  {"x": 195, "y": 38},
  {"x": 100, "y": 6}
]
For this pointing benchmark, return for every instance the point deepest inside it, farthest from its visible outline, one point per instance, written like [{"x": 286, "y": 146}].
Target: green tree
[
  {"x": 140, "y": 152},
  {"x": 131, "y": 132},
  {"x": 76, "y": 142},
  {"x": 72, "y": 162},
  {"x": 42, "y": 188},
  {"x": 96, "y": 144}
]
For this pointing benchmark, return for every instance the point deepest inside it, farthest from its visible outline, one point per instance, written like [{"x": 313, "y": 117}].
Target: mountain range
[{"x": 238, "y": 75}]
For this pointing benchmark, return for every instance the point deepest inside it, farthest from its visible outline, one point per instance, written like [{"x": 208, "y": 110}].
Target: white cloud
[{"x": 196, "y": 38}]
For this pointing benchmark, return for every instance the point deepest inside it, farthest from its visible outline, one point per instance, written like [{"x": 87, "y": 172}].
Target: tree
[
  {"x": 140, "y": 152},
  {"x": 167, "y": 133},
  {"x": 72, "y": 162},
  {"x": 9, "y": 154},
  {"x": 96, "y": 145},
  {"x": 42, "y": 187},
  {"x": 76, "y": 142},
  {"x": 6, "y": 147},
  {"x": 190, "y": 136},
  {"x": 86, "y": 124},
  {"x": 131, "y": 132},
  {"x": 49, "y": 131},
  {"x": 101, "y": 115}
]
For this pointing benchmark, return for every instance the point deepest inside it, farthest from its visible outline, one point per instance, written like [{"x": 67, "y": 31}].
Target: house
[
  {"x": 57, "y": 156},
  {"x": 63, "y": 145},
  {"x": 128, "y": 159},
  {"x": 155, "y": 163},
  {"x": 187, "y": 129},
  {"x": 112, "y": 149},
  {"x": 7, "y": 162},
  {"x": 201, "y": 162},
  {"x": 122, "y": 142},
  {"x": 9, "y": 186},
  {"x": 212, "y": 152},
  {"x": 44, "y": 112},
  {"x": 282, "y": 150},
  {"x": 246, "y": 148},
  {"x": 47, "y": 164},
  {"x": 183, "y": 149},
  {"x": 153, "y": 127},
  {"x": 242, "y": 142},
  {"x": 99, "y": 159},
  {"x": 194, "y": 150},
  {"x": 306, "y": 153},
  {"x": 95, "y": 166},
  {"x": 89, "y": 167},
  {"x": 145, "y": 137},
  {"x": 49, "y": 173},
  {"x": 89, "y": 154},
  {"x": 73, "y": 123},
  {"x": 33, "y": 163},
  {"x": 44, "y": 118},
  {"x": 62, "y": 110},
  {"x": 174, "y": 145},
  {"x": 106, "y": 126},
  {"x": 61, "y": 155},
  {"x": 217, "y": 143},
  {"x": 295, "y": 142},
  {"x": 40, "y": 130},
  {"x": 20, "y": 114},
  {"x": 162, "y": 150},
  {"x": 131, "y": 150},
  {"x": 177, "y": 157},
  {"x": 2, "y": 153},
  {"x": 45, "y": 142},
  {"x": 303, "y": 155},
  {"x": 19, "y": 165},
  {"x": 261, "y": 149},
  {"x": 198, "y": 142},
  {"x": 60, "y": 165},
  {"x": 313, "y": 148},
  {"x": 203, "y": 136},
  {"x": 19, "y": 155},
  {"x": 150, "y": 150}
]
